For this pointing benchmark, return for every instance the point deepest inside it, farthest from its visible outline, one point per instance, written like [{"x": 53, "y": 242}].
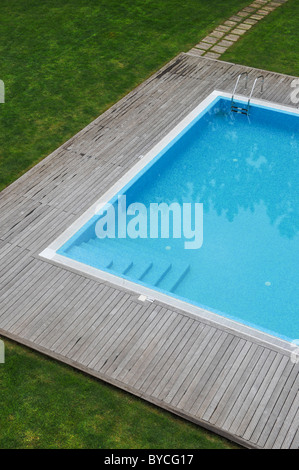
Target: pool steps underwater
[{"x": 109, "y": 255}]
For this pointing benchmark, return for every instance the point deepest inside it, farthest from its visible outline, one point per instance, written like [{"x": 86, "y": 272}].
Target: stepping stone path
[{"x": 225, "y": 35}]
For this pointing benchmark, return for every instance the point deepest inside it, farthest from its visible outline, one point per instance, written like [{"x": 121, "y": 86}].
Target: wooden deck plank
[
  {"x": 150, "y": 328},
  {"x": 223, "y": 361},
  {"x": 260, "y": 400},
  {"x": 42, "y": 297},
  {"x": 65, "y": 314},
  {"x": 103, "y": 318},
  {"x": 179, "y": 362},
  {"x": 117, "y": 345},
  {"x": 142, "y": 362},
  {"x": 69, "y": 312},
  {"x": 15, "y": 270},
  {"x": 223, "y": 408},
  {"x": 271, "y": 383},
  {"x": 77, "y": 336},
  {"x": 14, "y": 290},
  {"x": 241, "y": 397},
  {"x": 103, "y": 331},
  {"x": 275, "y": 420},
  {"x": 147, "y": 354},
  {"x": 191, "y": 394},
  {"x": 206, "y": 346},
  {"x": 10, "y": 256},
  {"x": 128, "y": 323},
  {"x": 218, "y": 377},
  {"x": 225, "y": 377},
  {"x": 241, "y": 420},
  {"x": 37, "y": 326},
  {"x": 177, "y": 333},
  {"x": 264, "y": 421},
  {"x": 78, "y": 320},
  {"x": 28, "y": 298},
  {"x": 290, "y": 426},
  {"x": 295, "y": 441}
]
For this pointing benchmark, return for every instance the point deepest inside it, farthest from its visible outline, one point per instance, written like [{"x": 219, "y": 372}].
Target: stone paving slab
[
  {"x": 238, "y": 31},
  {"x": 217, "y": 34}
]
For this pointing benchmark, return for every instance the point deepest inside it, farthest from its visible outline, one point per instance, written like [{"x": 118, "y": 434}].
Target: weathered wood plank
[{"x": 196, "y": 368}]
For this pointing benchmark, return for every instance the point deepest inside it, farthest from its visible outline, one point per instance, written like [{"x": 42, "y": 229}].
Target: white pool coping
[{"x": 50, "y": 252}]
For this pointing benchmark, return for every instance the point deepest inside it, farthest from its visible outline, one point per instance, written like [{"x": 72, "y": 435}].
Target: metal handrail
[
  {"x": 237, "y": 83},
  {"x": 253, "y": 86},
  {"x": 245, "y": 110}
]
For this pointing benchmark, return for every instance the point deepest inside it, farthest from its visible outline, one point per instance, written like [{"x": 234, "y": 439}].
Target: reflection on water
[
  {"x": 245, "y": 172},
  {"x": 236, "y": 163}
]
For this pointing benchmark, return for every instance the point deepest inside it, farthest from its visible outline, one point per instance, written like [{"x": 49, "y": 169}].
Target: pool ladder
[{"x": 241, "y": 109}]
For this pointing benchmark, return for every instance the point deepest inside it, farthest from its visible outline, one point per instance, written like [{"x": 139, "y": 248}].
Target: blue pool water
[{"x": 245, "y": 172}]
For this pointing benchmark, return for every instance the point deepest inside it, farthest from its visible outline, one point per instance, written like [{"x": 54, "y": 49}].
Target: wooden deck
[{"x": 228, "y": 382}]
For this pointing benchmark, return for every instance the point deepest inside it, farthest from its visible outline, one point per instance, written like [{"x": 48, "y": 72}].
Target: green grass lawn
[
  {"x": 65, "y": 62},
  {"x": 45, "y": 404},
  {"x": 272, "y": 44}
]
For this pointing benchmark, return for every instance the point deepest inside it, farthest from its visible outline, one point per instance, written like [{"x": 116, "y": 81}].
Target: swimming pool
[{"x": 244, "y": 170}]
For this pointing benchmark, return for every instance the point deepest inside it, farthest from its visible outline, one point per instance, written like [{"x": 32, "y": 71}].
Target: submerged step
[
  {"x": 145, "y": 267},
  {"x": 85, "y": 255},
  {"x": 127, "y": 266},
  {"x": 239, "y": 109},
  {"x": 157, "y": 272},
  {"x": 100, "y": 258},
  {"x": 125, "y": 259},
  {"x": 139, "y": 270},
  {"x": 121, "y": 264},
  {"x": 180, "y": 277},
  {"x": 175, "y": 277}
]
